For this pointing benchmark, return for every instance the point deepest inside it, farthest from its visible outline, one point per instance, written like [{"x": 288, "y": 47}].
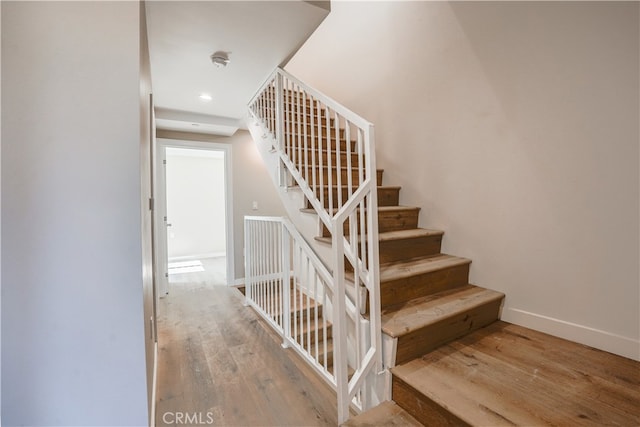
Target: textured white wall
[
  {"x": 195, "y": 205},
  {"x": 72, "y": 299},
  {"x": 515, "y": 127}
]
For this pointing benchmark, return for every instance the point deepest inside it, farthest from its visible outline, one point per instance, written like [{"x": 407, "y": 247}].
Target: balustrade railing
[
  {"x": 291, "y": 288},
  {"x": 329, "y": 153}
]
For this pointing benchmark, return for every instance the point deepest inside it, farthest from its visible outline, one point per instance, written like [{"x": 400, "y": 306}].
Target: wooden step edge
[
  {"x": 342, "y": 168},
  {"x": 301, "y": 311},
  {"x": 350, "y": 371},
  {"x": 309, "y": 329},
  {"x": 380, "y": 187},
  {"x": 293, "y": 131},
  {"x": 385, "y": 414},
  {"x": 321, "y": 353},
  {"x": 380, "y": 209},
  {"x": 326, "y": 150},
  {"x": 398, "y": 208},
  {"x": 430, "y": 410},
  {"x": 321, "y": 239},
  {"x": 323, "y": 138},
  {"x": 390, "y": 236},
  {"x": 413, "y": 233},
  {"x": 420, "y": 265},
  {"x": 405, "y": 318}
]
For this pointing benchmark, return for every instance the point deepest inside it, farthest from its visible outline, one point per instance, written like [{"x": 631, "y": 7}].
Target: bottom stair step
[
  {"x": 385, "y": 414},
  {"x": 425, "y": 323},
  {"x": 509, "y": 375}
]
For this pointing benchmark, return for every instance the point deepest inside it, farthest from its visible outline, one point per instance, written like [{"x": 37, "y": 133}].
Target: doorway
[{"x": 195, "y": 245}]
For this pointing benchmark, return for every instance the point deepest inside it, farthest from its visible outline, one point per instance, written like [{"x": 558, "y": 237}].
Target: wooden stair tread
[
  {"x": 388, "y": 236},
  {"x": 397, "y": 208},
  {"x": 417, "y": 313},
  {"x": 380, "y": 209},
  {"x": 321, "y": 351},
  {"x": 402, "y": 269},
  {"x": 505, "y": 374},
  {"x": 308, "y": 330},
  {"x": 344, "y": 168},
  {"x": 386, "y": 414},
  {"x": 320, "y": 359},
  {"x": 297, "y": 295},
  {"x": 408, "y": 234},
  {"x": 388, "y": 187}
]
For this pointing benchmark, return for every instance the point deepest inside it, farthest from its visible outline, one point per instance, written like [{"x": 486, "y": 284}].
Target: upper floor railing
[{"x": 329, "y": 153}]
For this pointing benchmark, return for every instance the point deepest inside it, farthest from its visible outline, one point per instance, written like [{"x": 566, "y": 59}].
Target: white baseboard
[
  {"x": 237, "y": 282},
  {"x": 154, "y": 387},
  {"x": 603, "y": 340}
]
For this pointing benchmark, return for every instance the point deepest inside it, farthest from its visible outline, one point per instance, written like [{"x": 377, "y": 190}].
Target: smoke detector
[{"x": 220, "y": 59}]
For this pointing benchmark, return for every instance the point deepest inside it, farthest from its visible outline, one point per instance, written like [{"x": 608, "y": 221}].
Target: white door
[{"x": 165, "y": 225}]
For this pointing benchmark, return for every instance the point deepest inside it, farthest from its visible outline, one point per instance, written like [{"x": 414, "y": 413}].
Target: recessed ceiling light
[{"x": 205, "y": 97}]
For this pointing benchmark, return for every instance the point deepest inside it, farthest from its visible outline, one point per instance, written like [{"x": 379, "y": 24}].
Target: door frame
[{"x": 161, "y": 187}]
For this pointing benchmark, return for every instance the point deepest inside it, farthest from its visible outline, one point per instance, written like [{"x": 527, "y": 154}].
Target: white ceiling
[{"x": 258, "y": 35}]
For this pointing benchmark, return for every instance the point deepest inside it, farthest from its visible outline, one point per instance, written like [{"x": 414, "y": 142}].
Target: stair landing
[{"x": 509, "y": 375}]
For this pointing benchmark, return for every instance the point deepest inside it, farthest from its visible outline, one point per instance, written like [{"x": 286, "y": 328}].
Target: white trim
[
  {"x": 603, "y": 340},
  {"x": 228, "y": 153},
  {"x": 160, "y": 230},
  {"x": 0, "y": 245},
  {"x": 154, "y": 387}
]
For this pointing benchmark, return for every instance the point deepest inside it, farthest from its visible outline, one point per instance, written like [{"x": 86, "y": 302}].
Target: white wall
[
  {"x": 250, "y": 180},
  {"x": 145, "y": 138},
  {"x": 73, "y": 341},
  {"x": 195, "y": 203},
  {"x": 515, "y": 127},
  {"x": 0, "y": 222}
]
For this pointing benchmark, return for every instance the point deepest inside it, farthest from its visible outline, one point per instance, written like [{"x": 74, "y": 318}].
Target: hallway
[{"x": 218, "y": 364}]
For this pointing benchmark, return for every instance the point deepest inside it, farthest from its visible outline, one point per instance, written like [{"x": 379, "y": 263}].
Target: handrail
[{"x": 329, "y": 152}]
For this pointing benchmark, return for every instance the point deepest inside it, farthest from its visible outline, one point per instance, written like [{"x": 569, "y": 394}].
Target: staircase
[
  {"x": 452, "y": 362},
  {"x": 426, "y": 299},
  {"x": 425, "y": 296}
]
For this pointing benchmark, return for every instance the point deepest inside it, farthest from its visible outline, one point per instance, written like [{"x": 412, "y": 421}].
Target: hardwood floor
[
  {"x": 219, "y": 364},
  {"x": 509, "y": 375},
  {"x": 214, "y": 274}
]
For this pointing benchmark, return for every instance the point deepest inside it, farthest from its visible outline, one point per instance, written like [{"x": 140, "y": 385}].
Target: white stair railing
[
  {"x": 292, "y": 289},
  {"x": 329, "y": 152}
]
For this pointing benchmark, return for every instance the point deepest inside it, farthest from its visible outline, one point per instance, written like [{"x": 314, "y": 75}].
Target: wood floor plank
[
  {"x": 219, "y": 361},
  {"x": 509, "y": 375}
]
